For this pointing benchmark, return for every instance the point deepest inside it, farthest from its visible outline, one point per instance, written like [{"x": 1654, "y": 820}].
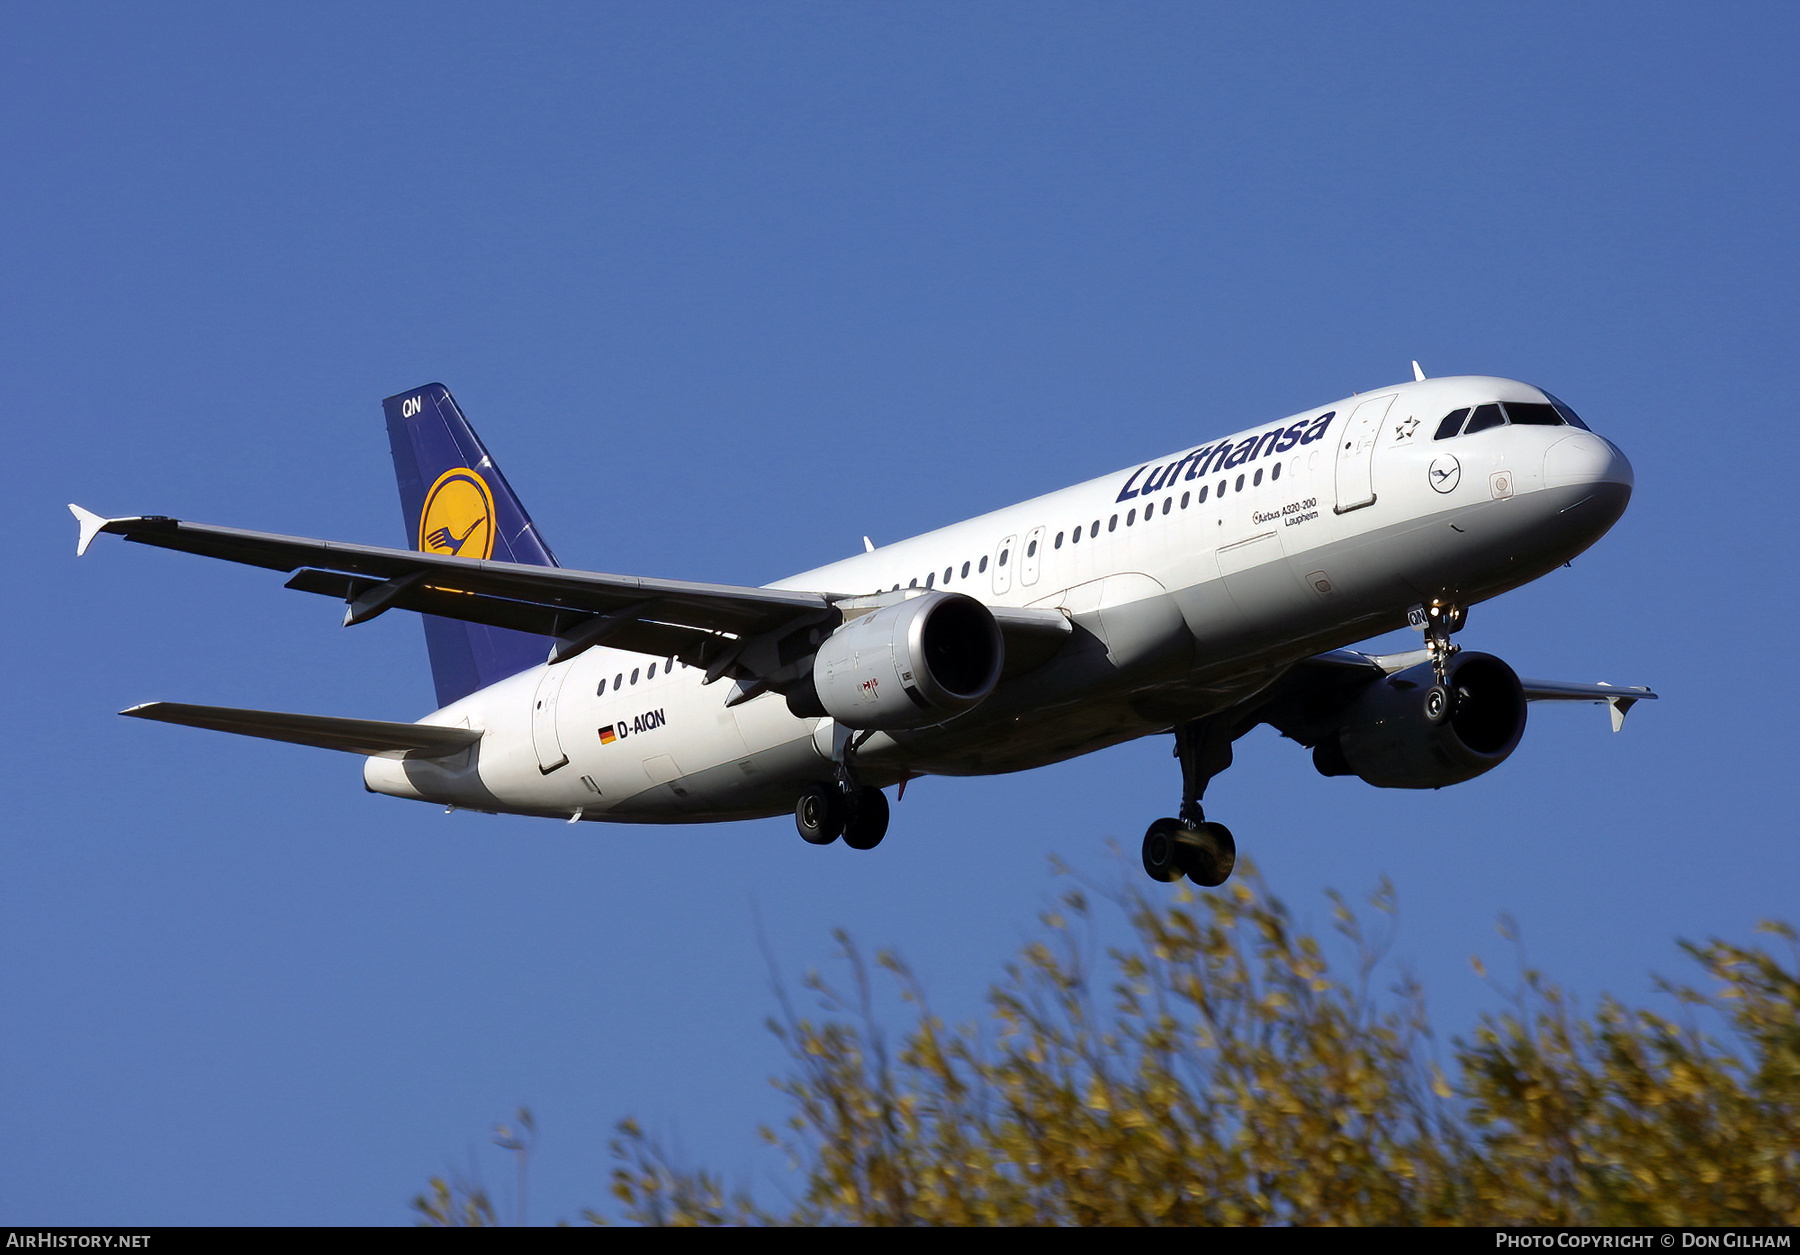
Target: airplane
[{"x": 1197, "y": 594}]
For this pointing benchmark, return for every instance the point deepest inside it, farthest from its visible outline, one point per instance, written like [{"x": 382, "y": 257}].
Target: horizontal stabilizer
[{"x": 353, "y": 736}]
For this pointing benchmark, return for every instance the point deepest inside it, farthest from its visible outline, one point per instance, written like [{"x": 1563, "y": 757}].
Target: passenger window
[
  {"x": 1131, "y": 516},
  {"x": 1095, "y": 529},
  {"x": 634, "y": 675},
  {"x": 913, "y": 583},
  {"x": 1221, "y": 491},
  {"x": 1075, "y": 537},
  {"x": 650, "y": 674},
  {"x": 1533, "y": 414},
  {"x": 1203, "y": 491},
  {"x": 1257, "y": 482},
  {"x": 983, "y": 565},
  {"x": 668, "y": 666},
  {"x": 1004, "y": 553},
  {"x": 1058, "y": 544},
  {"x": 1184, "y": 500},
  {"x": 1168, "y": 504},
  {"x": 1275, "y": 472},
  {"x": 618, "y": 681},
  {"x": 1452, "y": 424},
  {"x": 1486, "y": 416},
  {"x": 1112, "y": 524},
  {"x": 601, "y": 691},
  {"x": 947, "y": 571},
  {"x": 1239, "y": 486},
  {"x": 1031, "y": 550},
  {"x": 930, "y": 578},
  {"x": 965, "y": 570}
]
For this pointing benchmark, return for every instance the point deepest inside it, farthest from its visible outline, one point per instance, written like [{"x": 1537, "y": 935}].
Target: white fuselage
[{"x": 1196, "y": 580}]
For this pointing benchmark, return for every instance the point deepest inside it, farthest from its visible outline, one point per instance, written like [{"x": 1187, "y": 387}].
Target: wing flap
[{"x": 352, "y": 736}]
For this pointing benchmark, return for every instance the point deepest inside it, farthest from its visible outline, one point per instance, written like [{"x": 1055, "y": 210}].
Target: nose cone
[
  {"x": 1588, "y": 482},
  {"x": 1585, "y": 459}
]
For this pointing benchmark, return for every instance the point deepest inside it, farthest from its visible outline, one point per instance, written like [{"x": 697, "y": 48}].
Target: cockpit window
[
  {"x": 1568, "y": 414},
  {"x": 1452, "y": 424},
  {"x": 1486, "y": 416},
  {"x": 1533, "y": 414},
  {"x": 1524, "y": 413}
]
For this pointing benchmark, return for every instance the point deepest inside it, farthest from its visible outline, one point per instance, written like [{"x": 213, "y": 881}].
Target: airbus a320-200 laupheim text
[{"x": 1201, "y": 594}]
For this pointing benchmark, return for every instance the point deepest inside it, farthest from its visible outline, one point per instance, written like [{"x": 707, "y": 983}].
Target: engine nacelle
[
  {"x": 906, "y": 665},
  {"x": 1396, "y": 734}
]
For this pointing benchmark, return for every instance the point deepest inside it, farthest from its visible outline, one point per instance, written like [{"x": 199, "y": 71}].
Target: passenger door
[
  {"x": 1356, "y": 454},
  {"x": 543, "y": 719}
]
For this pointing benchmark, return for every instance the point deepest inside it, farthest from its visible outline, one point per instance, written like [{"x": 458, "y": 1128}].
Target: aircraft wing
[
  {"x": 705, "y": 625},
  {"x": 711, "y": 607},
  {"x": 696, "y": 622},
  {"x": 1619, "y": 698},
  {"x": 353, "y": 736}
]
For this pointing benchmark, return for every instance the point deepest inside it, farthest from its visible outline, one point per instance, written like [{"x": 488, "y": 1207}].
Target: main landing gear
[
  {"x": 826, "y": 811},
  {"x": 1191, "y": 846}
]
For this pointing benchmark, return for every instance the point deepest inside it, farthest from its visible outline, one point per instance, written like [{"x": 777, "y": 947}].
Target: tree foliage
[{"x": 1218, "y": 1070}]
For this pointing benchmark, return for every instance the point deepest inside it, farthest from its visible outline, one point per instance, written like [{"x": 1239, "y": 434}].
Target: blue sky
[{"x": 725, "y": 288}]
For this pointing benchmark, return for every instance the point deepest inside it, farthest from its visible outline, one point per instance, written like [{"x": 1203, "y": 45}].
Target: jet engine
[
  {"x": 905, "y": 666},
  {"x": 1408, "y": 732}
]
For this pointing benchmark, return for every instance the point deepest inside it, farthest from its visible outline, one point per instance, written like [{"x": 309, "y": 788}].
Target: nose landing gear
[
  {"x": 1191, "y": 846},
  {"x": 1437, "y": 621}
]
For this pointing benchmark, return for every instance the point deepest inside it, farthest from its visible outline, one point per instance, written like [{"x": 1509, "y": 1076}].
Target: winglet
[
  {"x": 1620, "y": 707},
  {"x": 1418, "y": 375},
  {"x": 91, "y": 525},
  {"x": 868, "y": 545}
]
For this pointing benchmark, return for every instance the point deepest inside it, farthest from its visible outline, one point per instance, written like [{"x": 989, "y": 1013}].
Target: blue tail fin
[{"x": 455, "y": 500}]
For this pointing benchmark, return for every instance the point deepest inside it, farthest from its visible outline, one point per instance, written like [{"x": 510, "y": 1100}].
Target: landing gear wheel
[
  {"x": 819, "y": 814},
  {"x": 1206, "y": 854},
  {"x": 868, "y": 821},
  {"x": 1159, "y": 850},
  {"x": 1439, "y": 705}
]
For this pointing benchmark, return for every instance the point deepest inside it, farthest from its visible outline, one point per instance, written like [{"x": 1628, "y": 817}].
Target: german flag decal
[{"x": 607, "y": 735}]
